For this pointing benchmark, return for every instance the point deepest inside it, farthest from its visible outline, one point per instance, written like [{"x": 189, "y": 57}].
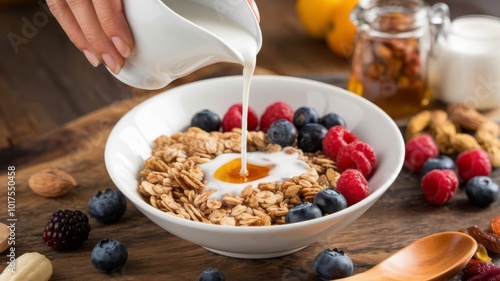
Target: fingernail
[
  {"x": 120, "y": 45},
  {"x": 91, "y": 58},
  {"x": 111, "y": 63},
  {"x": 256, "y": 10}
]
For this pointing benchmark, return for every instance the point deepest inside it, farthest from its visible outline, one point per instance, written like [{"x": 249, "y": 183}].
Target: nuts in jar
[{"x": 390, "y": 57}]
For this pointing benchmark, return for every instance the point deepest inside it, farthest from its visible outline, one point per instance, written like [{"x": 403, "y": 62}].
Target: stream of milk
[{"x": 238, "y": 39}]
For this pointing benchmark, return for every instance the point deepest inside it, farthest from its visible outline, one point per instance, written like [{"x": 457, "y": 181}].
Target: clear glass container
[{"x": 391, "y": 52}]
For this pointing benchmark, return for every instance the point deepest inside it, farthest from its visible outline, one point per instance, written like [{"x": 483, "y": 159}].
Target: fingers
[
  {"x": 65, "y": 17},
  {"x": 86, "y": 16},
  {"x": 255, "y": 8},
  {"x": 98, "y": 29},
  {"x": 114, "y": 24}
]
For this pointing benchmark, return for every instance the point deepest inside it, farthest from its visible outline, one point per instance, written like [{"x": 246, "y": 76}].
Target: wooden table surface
[{"x": 56, "y": 111}]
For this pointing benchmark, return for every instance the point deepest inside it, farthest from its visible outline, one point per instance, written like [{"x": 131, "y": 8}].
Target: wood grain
[{"x": 57, "y": 111}]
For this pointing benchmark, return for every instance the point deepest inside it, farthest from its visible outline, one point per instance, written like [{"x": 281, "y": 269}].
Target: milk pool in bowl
[
  {"x": 223, "y": 172},
  {"x": 130, "y": 143}
]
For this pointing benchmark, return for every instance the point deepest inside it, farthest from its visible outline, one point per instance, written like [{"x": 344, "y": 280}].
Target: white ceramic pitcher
[{"x": 170, "y": 43}]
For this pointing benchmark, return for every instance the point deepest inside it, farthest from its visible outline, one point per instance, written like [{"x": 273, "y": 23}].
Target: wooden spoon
[{"x": 435, "y": 257}]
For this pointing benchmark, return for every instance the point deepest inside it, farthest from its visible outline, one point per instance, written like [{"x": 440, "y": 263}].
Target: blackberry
[
  {"x": 66, "y": 230},
  {"x": 108, "y": 206}
]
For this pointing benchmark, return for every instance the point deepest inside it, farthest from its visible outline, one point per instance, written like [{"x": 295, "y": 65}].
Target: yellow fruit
[
  {"x": 342, "y": 33},
  {"x": 316, "y": 15}
]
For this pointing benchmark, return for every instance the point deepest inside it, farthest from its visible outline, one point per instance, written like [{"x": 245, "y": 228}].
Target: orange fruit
[
  {"x": 495, "y": 225},
  {"x": 315, "y": 15},
  {"x": 342, "y": 33}
]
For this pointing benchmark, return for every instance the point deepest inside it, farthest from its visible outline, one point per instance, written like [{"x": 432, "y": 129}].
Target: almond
[{"x": 52, "y": 183}]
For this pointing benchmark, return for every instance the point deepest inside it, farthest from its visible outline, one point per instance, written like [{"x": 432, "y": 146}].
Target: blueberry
[
  {"x": 211, "y": 274},
  {"x": 108, "y": 206},
  {"x": 206, "y": 120},
  {"x": 482, "y": 191},
  {"x": 109, "y": 255},
  {"x": 332, "y": 264},
  {"x": 310, "y": 137},
  {"x": 305, "y": 115},
  {"x": 302, "y": 212},
  {"x": 282, "y": 132},
  {"x": 329, "y": 201},
  {"x": 332, "y": 119},
  {"x": 441, "y": 162}
]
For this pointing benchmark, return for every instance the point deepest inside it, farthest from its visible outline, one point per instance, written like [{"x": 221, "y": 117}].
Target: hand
[
  {"x": 99, "y": 29},
  {"x": 255, "y": 8}
]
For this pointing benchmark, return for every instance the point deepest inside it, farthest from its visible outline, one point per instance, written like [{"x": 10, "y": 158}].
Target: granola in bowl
[{"x": 173, "y": 182}]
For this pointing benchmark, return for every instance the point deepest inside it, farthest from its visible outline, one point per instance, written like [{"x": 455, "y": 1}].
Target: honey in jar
[{"x": 389, "y": 64}]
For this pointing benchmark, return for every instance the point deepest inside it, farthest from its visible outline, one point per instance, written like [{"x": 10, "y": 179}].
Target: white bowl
[{"x": 130, "y": 144}]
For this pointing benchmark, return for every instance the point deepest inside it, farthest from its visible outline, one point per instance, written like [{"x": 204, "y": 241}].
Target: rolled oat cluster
[{"x": 172, "y": 181}]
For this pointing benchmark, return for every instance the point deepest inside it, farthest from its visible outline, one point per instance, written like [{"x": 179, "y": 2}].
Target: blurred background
[{"x": 46, "y": 82}]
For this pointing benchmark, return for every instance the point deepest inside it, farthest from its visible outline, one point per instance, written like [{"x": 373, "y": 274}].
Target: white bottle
[{"x": 466, "y": 65}]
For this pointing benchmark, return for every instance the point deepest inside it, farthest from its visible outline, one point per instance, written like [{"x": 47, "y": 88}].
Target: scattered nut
[
  {"x": 28, "y": 267},
  {"x": 418, "y": 123},
  {"x": 52, "y": 183},
  {"x": 4, "y": 237},
  {"x": 466, "y": 116},
  {"x": 446, "y": 126},
  {"x": 463, "y": 142}
]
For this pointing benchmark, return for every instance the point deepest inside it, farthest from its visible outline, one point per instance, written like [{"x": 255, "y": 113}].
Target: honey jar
[{"x": 390, "y": 60}]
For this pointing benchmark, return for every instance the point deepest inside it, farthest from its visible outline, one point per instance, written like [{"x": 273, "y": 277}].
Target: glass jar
[{"x": 390, "y": 59}]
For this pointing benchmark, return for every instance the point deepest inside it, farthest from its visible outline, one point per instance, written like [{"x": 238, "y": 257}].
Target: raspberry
[
  {"x": 66, "y": 230},
  {"x": 439, "y": 186},
  {"x": 471, "y": 163},
  {"x": 233, "y": 117},
  {"x": 277, "y": 110},
  {"x": 353, "y": 186},
  {"x": 336, "y": 138},
  {"x": 356, "y": 155},
  {"x": 418, "y": 149}
]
